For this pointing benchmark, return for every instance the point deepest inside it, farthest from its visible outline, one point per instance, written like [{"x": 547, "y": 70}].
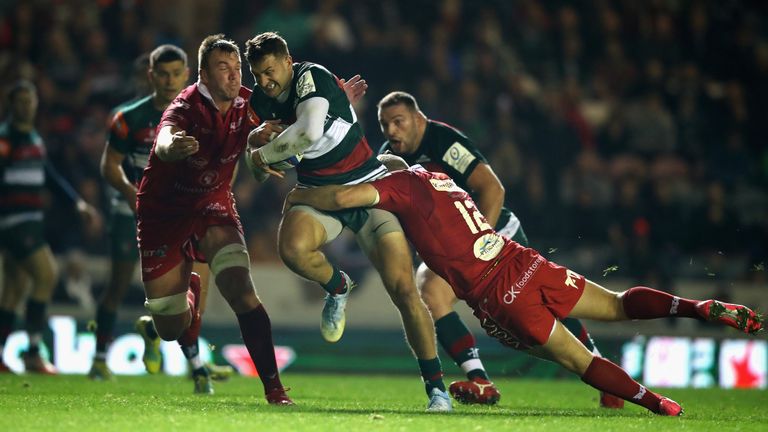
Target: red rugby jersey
[
  {"x": 181, "y": 184},
  {"x": 443, "y": 224}
]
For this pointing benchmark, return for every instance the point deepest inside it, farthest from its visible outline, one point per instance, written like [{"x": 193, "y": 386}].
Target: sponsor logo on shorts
[
  {"x": 159, "y": 252},
  {"x": 151, "y": 269},
  {"x": 570, "y": 278},
  {"x": 458, "y": 157},
  {"x": 494, "y": 330},
  {"x": 524, "y": 278},
  {"x": 488, "y": 246},
  {"x": 511, "y": 295}
]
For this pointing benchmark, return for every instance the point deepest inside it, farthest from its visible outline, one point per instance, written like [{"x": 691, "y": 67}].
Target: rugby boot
[
  {"x": 668, "y": 407},
  {"x": 608, "y": 400},
  {"x": 203, "y": 384},
  {"x": 152, "y": 357},
  {"x": 34, "y": 363},
  {"x": 439, "y": 401},
  {"x": 733, "y": 315},
  {"x": 220, "y": 372},
  {"x": 278, "y": 396},
  {"x": 99, "y": 371},
  {"x": 475, "y": 391},
  {"x": 333, "y": 317}
]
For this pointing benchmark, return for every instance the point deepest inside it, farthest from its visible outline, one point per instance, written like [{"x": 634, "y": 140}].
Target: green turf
[{"x": 347, "y": 403}]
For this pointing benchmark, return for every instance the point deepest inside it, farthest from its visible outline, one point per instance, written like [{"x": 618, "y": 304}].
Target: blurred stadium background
[{"x": 630, "y": 137}]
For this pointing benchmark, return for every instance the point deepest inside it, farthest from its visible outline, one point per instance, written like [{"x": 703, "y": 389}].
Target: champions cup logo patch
[
  {"x": 488, "y": 246},
  {"x": 306, "y": 85},
  {"x": 445, "y": 185},
  {"x": 458, "y": 157}
]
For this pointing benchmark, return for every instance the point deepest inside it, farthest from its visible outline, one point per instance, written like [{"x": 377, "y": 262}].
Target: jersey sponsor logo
[
  {"x": 306, "y": 84},
  {"x": 216, "y": 209},
  {"x": 488, "y": 246},
  {"x": 445, "y": 185},
  {"x": 197, "y": 162},
  {"x": 209, "y": 178},
  {"x": 526, "y": 276},
  {"x": 570, "y": 278},
  {"x": 458, "y": 157},
  {"x": 234, "y": 126}
]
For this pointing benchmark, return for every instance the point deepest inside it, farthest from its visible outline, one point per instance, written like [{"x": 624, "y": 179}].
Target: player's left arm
[
  {"x": 335, "y": 197},
  {"x": 308, "y": 128},
  {"x": 489, "y": 192}
]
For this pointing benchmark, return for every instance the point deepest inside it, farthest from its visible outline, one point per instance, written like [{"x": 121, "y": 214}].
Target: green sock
[
  {"x": 337, "y": 284},
  {"x": 459, "y": 343},
  {"x": 432, "y": 374}
]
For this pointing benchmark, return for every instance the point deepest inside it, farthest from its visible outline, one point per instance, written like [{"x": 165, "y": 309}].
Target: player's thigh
[
  {"x": 598, "y": 303},
  {"x": 391, "y": 256},
  {"x": 15, "y": 283},
  {"x": 41, "y": 266},
  {"x": 305, "y": 229},
  {"x": 436, "y": 292},
  {"x": 564, "y": 349}
]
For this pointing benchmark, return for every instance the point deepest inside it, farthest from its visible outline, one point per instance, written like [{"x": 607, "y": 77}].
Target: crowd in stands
[{"x": 630, "y": 135}]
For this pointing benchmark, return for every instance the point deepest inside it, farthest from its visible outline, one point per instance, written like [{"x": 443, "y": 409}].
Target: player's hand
[
  {"x": 260, "y": 165},
  {"x": 182, "y": 145},
  {"x": 90, "y": 217},
  {"x": 264, "y": 133},
  {"x": 355, "y": 88}
]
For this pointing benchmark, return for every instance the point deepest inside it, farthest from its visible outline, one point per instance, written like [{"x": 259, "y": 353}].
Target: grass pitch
[{"x": 347, "y": 403}]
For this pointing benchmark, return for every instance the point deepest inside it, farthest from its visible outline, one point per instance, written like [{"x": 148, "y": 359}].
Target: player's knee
[
  {"x": 405, "y": 295},
  {"x": 294, "y": 249}
]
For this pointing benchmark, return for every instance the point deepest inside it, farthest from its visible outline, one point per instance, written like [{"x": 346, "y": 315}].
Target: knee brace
[
  {"x": 169, "y": 305},
  {"x": 232, "y": 255}
]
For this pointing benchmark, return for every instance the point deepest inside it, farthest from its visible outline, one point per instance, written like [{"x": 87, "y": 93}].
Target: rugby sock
[
  {"x": 432, "y": 374},
  {"x": 647, "y": 303},
  {"x": 7, "y": 319},
  {"x": 608, "y": 377},
  {"x": 35, "y": 323},
  {"x": 105, "y": 326},
  {"x": 192, "y": 354},
  {"x": 459, "y": 343},
  {"x": 577, "y": 328},
  {"x": 337, "y": 284},
  {"x": 256, "y": 330}
]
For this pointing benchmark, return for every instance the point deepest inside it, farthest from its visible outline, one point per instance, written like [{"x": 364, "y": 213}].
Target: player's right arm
[
  {"x": 173, "y": 144},
  {"x": 334, "y": 197},
  {"x": 113, "y": 172}
]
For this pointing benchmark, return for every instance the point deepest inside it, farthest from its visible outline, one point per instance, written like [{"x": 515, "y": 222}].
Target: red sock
[
  {"x": 192, "y": 333},
  {"x": 608, "y": 377},
  {"x": 256, "y": 330},
  {"x": 647, "y": 303}
]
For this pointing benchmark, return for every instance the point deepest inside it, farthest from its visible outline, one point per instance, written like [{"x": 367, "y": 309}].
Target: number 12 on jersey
[{"x": 479, "y": 223}]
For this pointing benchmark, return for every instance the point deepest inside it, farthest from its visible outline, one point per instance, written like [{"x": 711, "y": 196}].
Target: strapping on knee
[
  {"x": 232, "y": 255},
  {"x": 169, "y": 305}
]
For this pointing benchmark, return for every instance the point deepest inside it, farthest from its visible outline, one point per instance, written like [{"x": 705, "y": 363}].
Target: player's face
[
  {"x": 272, "y": 74},
  {"x": 168, "y": 79},
  {"x": 223, "y": 76},
  {"x": 24, "y": 106},
  {"x": 398, "y": 124}
]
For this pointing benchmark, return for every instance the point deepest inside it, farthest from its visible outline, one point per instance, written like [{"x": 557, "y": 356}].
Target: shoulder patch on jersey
[
  {"x": 445, "y": 185},
  {"x": 458, "y": 157},
  {"x": 306, "y": 84}
]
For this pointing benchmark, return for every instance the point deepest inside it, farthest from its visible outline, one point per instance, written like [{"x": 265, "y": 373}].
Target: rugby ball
[{"x": 288, "y": 163}]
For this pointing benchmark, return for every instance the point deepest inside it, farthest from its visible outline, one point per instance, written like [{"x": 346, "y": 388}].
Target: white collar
[{"x": 206, "y": 93}]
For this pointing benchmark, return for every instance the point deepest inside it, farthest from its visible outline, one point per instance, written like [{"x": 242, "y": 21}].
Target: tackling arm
[
  {"x": 336, "y": 197},
  {"x": 309, "y": 127},
  {"x": 489, "y": 192}
]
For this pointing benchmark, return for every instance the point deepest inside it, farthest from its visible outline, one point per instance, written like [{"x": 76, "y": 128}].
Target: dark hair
[
  {"x": 214, "y": 42},
  {"x": 167, "y": 53},
  {"x": 265, "y": 44},
  {"x": 397, "y": 98},
  {"x": 19, "y": 86}
]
